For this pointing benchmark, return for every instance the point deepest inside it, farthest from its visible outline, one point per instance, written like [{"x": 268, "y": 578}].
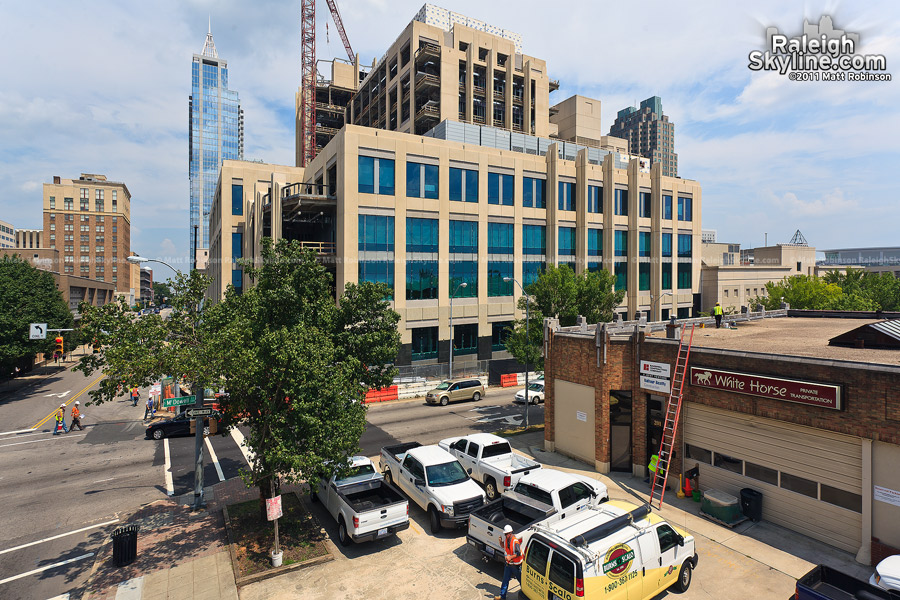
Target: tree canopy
[
  {"x": 881, "y": 288},
  {"x": 161, "y": 291},
  {"x": 816, "y": 293},
  {"x": 28, "y": 295}
]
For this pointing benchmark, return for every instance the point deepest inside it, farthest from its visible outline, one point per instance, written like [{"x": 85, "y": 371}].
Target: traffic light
[
  {"x": 96, "y": 346},
  {"x": 59, "y": 345}
]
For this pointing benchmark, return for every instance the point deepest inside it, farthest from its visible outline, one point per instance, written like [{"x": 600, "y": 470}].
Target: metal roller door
[
  {"x": 573, "y": 413},
  {"x": 810, "y": 479}
]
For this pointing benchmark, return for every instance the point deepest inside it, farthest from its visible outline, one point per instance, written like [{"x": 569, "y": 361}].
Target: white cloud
[{"x": 828, "y": 204}]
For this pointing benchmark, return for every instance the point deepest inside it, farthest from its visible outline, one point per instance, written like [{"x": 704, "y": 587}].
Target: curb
[{"x": 275, "y": 572}]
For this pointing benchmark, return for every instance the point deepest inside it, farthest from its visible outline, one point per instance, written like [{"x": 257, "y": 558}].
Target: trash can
[
  {"x": 751, "y": 504},
  {"x": 124, "y": 545}
]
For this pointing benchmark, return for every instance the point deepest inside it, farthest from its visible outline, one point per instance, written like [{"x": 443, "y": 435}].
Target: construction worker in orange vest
[
  {"x": 76, "y": 417},
  {"x": 512, "y": 547}
]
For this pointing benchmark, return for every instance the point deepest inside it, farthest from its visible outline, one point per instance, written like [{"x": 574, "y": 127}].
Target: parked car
[
  {"x": 887, "y": 574},
  {"x": 535, "y": 393},
  {"x": 539, "y": 499},
  {"x": 179, "y": 425},
  {"x": 825, "y": 583},
  {"x": 433, "y": 479},
  {"x": 456, "y": 389},
  {"x": 489, "y": 460},
  {"x": 363, "y": 504}
]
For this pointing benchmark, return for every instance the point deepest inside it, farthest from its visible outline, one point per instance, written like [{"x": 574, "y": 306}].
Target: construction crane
[{"x": 308, "y": 73}]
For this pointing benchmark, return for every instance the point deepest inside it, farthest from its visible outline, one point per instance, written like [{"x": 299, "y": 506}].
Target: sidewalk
[{"x": 781, "y": 549}]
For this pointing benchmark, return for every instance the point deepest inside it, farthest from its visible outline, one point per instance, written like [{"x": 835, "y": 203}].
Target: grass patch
[
  {"x": 519, "y": 430},
  {"x": 299, "y": 535}
]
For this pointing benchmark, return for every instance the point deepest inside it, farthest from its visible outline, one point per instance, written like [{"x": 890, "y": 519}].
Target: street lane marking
[
  {"x": 102, "y": 480},
  {"x": 238, "y": 438},
  {"x": 170, "y": 487},
  {"x": 16, "y": 432},
  {"x": 60, "y": 597},
  {"x": 47, "y": 568},
  {"x": 43, "y": 440},
  {"x": 61, "y": 535},
  {"x": 50, "y": 416},
  {"x": 215, "y": 460}
]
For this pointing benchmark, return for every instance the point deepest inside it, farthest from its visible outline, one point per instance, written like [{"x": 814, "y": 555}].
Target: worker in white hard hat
[
  {"x": 512, "y": 547},
  {"x": 76, "y": 417}
]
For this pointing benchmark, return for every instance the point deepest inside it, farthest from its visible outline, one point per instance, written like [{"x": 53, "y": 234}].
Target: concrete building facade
[
  {"x": 769, "y": 406},
  {"x": 29, "y": 238},
  {"x": 877, "y": 259},
  {"x": 7, "y": 235},
  {"x": 74, "y": 289},
  {"x": 88, "y": 220},
  {"x": 425, "y": 214},
  {"x": 649, "y": 133}
]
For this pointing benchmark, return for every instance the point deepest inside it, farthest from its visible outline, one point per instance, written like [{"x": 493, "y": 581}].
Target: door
[
  {"x": 620, "y": 432},
  {"x": 573, "y": 410},
  {"x": 655, "y": 412},
  {"x": 534, "y": 573},
  {"x": 469, "y": 459},
  {"x": 458, "y": 448},
  {"x": 332, "y": 502},
  {"x": 574, "y": 498},
  {"x": 453, "y": 392},
  {"x": 671, "y": 555},
  {"x": 647, "y": 564},
  {"x": 412, "y": 470},
  {"x": 181, "y": 425}
]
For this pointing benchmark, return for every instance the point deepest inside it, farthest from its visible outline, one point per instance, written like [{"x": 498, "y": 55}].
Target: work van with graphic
[{"x": 613, "y": 551}]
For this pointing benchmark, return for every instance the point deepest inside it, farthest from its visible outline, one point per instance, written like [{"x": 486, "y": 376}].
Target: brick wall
[{"x": 881, "y": 551}]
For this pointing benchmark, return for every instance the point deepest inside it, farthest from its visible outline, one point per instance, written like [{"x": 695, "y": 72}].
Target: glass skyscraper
[{"x": 216, "y": 133}]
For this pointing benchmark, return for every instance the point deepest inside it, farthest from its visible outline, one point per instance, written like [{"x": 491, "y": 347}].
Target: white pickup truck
[
  {"x": 433, "y": 479},
  {"x": 490, "y": 461},
  {"x": 363, "y": 504},
  {"x": 542, "y": 498}
]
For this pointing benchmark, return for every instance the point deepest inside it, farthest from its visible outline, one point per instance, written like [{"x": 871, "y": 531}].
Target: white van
[{"x": 614, "y": 551}]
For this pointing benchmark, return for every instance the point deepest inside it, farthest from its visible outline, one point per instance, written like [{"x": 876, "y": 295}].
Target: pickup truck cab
[
  {"x": 490, "y": 461},
  {"x": 539, "y": 499},
  {"x": 364, "y": 506},
  {"x": 616, "y": 551},
  {"x": 825, "y": 583},
  {"x": 433, "y": 479}
]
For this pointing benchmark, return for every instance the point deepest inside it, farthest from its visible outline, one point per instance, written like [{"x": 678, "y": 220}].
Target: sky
[{"x": 102, "y": 86}]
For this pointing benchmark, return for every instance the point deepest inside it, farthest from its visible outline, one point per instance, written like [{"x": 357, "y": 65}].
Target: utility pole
[
  {"x": 199, "y": 504},
  {"x": 528, "y": 338}
]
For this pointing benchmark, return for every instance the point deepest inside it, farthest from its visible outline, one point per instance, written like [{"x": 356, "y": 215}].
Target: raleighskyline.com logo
[{"x": 819, "y": 53}]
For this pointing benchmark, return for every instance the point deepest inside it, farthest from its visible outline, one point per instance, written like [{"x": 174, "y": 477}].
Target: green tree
[
  {"x": 814, "y": 293},
  {"x": 28, "y": 295},
  {"x": 883, "y": 289},
  {"x": 161, "y": 290}
]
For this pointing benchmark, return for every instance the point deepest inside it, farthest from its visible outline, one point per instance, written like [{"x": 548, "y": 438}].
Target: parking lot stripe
[
  {"x": 167, "y": 469},
  {"x": 61, "y": 535},
  {"x": 215, "y": 460},
  {"x": 46, "y": 568}
]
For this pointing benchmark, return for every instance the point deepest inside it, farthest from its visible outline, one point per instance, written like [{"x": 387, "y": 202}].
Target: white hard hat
[
  {"x": 77, "y": 402},
  {"x": 62, "y": 405},
  {"x": 507, "y": 529}
]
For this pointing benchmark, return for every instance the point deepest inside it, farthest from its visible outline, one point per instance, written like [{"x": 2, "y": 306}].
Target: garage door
[
  {"x": 573, "y": 413},
  {"x": 811, "y": 480}
]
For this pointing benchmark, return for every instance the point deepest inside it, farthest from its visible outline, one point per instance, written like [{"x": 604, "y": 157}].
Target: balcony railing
[
  {"x": 320, "y": 247},
  {"x": 308, "y": 190},
  {"x": 423, "y": 79},
  {"x": 428, "y": 111},
  {"x": 428, "y": 50}
]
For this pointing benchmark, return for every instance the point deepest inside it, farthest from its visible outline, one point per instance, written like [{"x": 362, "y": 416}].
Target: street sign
[
  {"x": 181, "y": 401},
  {"x": 199, "y": 412},
  {"x": 38, "y": 331}
]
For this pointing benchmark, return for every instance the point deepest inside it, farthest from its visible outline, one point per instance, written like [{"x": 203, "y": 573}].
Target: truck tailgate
[
  {"x": 486, "y": 533},
  {"x": 381, "y": 518}
]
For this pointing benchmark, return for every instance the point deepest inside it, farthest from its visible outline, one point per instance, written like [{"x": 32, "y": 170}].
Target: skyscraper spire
[{"x": 209, "y": 47}]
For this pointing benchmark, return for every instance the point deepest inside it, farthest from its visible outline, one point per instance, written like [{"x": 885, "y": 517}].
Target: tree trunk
[{"x": 266, "y": 486}]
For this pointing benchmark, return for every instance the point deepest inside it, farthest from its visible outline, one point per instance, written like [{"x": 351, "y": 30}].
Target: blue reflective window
[
  {"x": 643, "y": 243},
  {"x": 463, "y": 185},
  {"x": 496, "y": 272},
  {"x": 500, "y": 331},
  {"x": 594, "y": 267},
  {"x": 456, "y": 184},
  {"x": 530, "y": 272},
  {"x": 237, "y": 278},
  {"x": 684, "y": 276},
  {"x": 377, "y": 271},
  {"x": 667, "y": 207},
  {"x": 376, "y": 233},
  {"x": 421, "y": 235},
  {"x": 237, "y": 246},
  {"x": 666, "y": 270},
  {"x": 464, "y": 271},
  {"x": 500, "y": 238},
  {"x": 465, "y": 339},
  {"x": 421, "y": 180},
  {"x": 534, "y": 192},
  {"x": 621, "y": 275},
  {"x": 595, "y": 199},
  {"x": 424, "y": 343},
  {"x": 644, "y": 204},
  {"x": 464, "y": 237},
  {"x": 667, "y": 244},
  {"x": 567, "y": 241},
  {"x": 566, "y": 200},
  {"x": 366, "y": 175},
  {"x": 685, "y": 246},
  {"x": 621, "y": 203},
  {"x": 621, "y": 243},
  {"x": 685, "y": 209},
  {"x": 376, "y": 169},
  {"x": 644, "y": 277},
  {"x": 421, "y": 279},
  {"x": 534, "y": 239},
  {"x": 595, "y": 242},
  {"x": 386, "y": 176},
  {"x": 237, "y": 199}
]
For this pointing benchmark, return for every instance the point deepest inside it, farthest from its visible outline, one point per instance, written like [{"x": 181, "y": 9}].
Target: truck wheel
[
  {"x": 490, "y": 488},
  {"x": 444, "y": 400},
  {"x": 476, "y": 396},
  {"x": 434, "y": 519},
  {"x": 684, "y": 577},
  {"x": 533, "y": 400},
  {"x": 158, "y": 434},
  {"x": 388, "y": 478},
  {"x": 343, "y": 536}
]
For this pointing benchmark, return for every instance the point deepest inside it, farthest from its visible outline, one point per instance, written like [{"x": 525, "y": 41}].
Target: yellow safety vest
[
  {"x": 717, "y": 310},
  {"x": 652, "y": 466}
]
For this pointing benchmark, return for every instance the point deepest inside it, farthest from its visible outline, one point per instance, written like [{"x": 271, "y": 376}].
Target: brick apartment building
[{"x": 827, "y": 463}]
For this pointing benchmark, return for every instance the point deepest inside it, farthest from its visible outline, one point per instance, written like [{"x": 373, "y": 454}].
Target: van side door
[
  {"x": 671, "y": 554},
  {"x": 534, "y": 573},
  {"x": 648, "y": 567}
]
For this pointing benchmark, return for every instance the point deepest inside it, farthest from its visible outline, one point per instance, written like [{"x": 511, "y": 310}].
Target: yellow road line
[{"x": 48, "y": 417}]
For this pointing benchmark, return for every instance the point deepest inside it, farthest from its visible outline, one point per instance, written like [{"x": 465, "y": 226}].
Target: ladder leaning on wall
[{"x": 673, "y": 413}]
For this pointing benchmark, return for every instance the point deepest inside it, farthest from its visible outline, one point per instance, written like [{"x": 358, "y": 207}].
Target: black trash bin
[
  {"x": 124, "y": 545},
  {"x": 751, "y": 504}
]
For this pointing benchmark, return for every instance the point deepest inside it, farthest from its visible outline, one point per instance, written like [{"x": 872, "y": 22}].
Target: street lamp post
[
  {"x": 199, "y": 392},
  {"x": 528, "y": 338},
  {"x": 658, "y": 298},
  {"x": 461, "y": 285}
]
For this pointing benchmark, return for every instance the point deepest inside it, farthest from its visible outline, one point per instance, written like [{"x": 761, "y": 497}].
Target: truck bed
[
  {"x": 369, "y": 495},
  {"x": 397, "y": 449},
  {"x": 513, "y": 510},
  {"x": 825, "y": 583}
]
